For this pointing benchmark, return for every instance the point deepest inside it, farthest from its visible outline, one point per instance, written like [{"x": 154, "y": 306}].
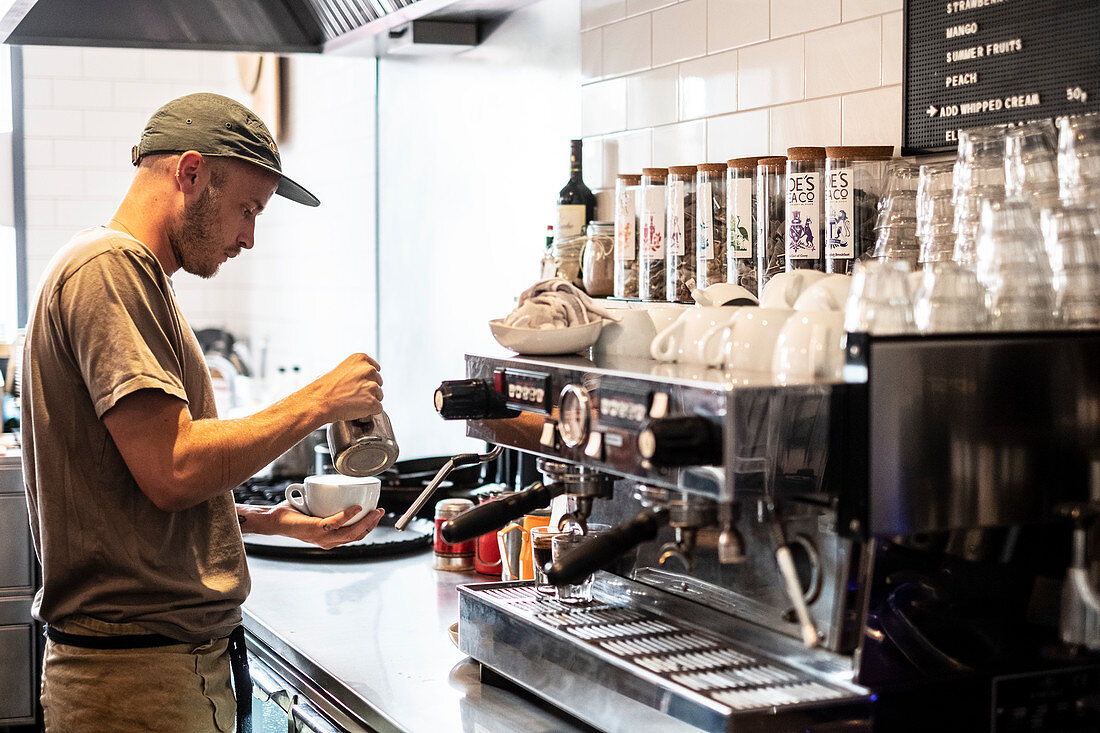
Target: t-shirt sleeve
[{"x": 121, "y": 328}]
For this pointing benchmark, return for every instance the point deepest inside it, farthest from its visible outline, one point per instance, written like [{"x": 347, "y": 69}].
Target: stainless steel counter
[{"x": 371, "y": 637}]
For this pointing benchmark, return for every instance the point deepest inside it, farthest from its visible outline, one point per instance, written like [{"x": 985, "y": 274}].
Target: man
[{"x": 128, "y": 470}]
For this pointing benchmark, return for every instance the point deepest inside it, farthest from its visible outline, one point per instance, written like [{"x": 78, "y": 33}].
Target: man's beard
[{"x": 194, "y": 239}]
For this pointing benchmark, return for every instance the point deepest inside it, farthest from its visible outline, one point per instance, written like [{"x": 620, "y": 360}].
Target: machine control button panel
[{"x": 525, "y": 390}]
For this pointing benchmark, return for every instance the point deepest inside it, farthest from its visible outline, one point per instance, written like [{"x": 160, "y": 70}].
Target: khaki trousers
[{"x": 182, "y": 688}]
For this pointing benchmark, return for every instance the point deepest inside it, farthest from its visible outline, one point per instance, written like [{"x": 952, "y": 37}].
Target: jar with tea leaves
[
  {"x": 771, "y": 207},
  {"x": 805, "y": 209},
  {"x": 598, "y": 259},
  {"x": 651, "y": 219},
  {"x": 627, "y": 190},
  {"x": 741, "y": 238},
  {"x": 855, "y": 179},
  {"x": 710, "y": 224},
  {"x": 680, "y": 233}
]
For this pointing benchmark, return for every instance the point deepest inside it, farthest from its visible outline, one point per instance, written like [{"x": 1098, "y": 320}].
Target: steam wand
[
  {"x": 465, "y": 459},
  {"x": 790, "y": 580}
]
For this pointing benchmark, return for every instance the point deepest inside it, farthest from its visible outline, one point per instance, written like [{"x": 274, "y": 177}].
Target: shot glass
[
  {"x": 542, "y": 555},
  {"x": 562, "y": 545}
]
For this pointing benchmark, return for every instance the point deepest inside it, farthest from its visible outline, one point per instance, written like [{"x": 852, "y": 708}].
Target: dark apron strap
[{"x": 242, "y": 680}]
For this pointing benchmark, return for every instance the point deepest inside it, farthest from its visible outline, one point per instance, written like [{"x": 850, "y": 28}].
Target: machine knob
[
  {"x": 464, "y": 399},
  {"x": 681, "y": 441}
]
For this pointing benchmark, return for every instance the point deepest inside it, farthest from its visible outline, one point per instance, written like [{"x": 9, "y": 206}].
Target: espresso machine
[{"x": 914, "y": 545}]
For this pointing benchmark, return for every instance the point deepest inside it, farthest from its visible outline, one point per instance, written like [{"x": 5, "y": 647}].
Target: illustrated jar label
[
  {"x": 804, "y": 216},
  {"x": 676, "y": 219},
  {"x": 653, "y": 223},
  {"x": 739, "y": 216},
  {"x": 704, "y": 222},
  {"x": 839, "y": 213},
  {"x": 570, "y": 220},
  {"x": 626, "y": 236}
]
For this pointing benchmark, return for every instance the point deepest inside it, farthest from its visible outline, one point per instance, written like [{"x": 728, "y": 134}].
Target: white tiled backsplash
[{"x": 682, "y": 82}]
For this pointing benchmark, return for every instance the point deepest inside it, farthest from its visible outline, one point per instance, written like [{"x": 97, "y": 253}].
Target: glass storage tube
[
  {"x": 855, "y": 177},
  {"x": 627, "y": 189},
  {"x": 805, "y": 230},
  {"x": 680, "y": 233},
  {"x": 771, "y": 206},
  {"x": 710, "y": 224},
  {"x": 651, "y": 219},
  {"x": 741, "y": 236}
]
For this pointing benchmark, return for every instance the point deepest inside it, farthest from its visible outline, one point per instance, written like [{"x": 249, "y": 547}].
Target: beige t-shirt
[{"x": 106, "y": 324}]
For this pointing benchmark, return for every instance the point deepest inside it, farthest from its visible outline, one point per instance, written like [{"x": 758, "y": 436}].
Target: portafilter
[{"x": 363, "y": 447}]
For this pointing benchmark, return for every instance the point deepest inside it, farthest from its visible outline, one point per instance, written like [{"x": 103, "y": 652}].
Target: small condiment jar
[{"x": 458, "y": 557}]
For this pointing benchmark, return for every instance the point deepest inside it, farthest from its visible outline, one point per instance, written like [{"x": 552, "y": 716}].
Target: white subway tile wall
[{"x": 751, "y": 77}]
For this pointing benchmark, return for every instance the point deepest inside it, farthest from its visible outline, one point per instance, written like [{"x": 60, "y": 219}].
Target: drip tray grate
[{"x": 686, "y": 659}]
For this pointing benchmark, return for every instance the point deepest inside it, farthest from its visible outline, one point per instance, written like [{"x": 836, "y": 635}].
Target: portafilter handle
[
  {"x": 493, "y": 515},
  {"x": 464, "y": 459},
  {"x": 602, "y": 549}
]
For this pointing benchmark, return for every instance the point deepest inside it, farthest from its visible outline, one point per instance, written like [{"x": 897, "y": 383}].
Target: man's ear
[{"x": 190, "y": 172}]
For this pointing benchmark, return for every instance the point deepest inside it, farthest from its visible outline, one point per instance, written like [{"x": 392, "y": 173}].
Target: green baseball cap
[{"x": 221, "y": 127}]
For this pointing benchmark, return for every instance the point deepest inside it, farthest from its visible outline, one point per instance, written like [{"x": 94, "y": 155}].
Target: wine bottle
[{"x": 576, "y": 202}]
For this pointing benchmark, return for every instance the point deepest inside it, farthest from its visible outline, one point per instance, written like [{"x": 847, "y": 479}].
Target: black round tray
[{"x": 383, "y": 541}]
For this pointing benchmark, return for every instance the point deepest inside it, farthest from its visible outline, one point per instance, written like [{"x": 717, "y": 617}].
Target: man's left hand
[{"x": 325, "y": 532}]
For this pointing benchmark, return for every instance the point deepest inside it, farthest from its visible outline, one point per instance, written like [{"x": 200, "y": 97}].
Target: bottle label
[
  {"x": 676, "y": 219},
  {"x": 704, "y": 222},
  {"x": 739, "y": 216},
  {"x": 570, "y": 220},
  {"x": 626, "y": 236},
  {"x": 653, "y": 223},
  {"x": 839, "y": 213},
  {"x": 803, "y": 216}
]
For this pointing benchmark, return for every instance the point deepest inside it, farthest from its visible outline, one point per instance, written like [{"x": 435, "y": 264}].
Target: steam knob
[
  {"x": 464, "y": 399},
  {"x": 681, "y": 441}
]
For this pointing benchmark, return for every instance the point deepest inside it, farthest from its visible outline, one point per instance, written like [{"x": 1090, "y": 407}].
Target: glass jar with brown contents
[
  {"x": 627, "y": 190},
  {"x": 741, "y": 236},
  {"x": 710, "y": 224},
  {"x": 771, "y": 207},
  {"x": 680, "y": 233},
  {"x": 805, "y": 209},
  {"x": 855, "y": 178},
  {"x": 651, "y": 220}
]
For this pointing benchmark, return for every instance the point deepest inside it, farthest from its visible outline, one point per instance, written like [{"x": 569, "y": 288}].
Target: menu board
[{"x": 970, "y": 63}]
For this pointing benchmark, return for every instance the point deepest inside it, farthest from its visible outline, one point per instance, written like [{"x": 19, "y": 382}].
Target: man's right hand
[{"x": 352, "y": 390}]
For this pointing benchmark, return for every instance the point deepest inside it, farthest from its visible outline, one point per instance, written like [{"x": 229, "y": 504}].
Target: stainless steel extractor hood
[{"x": 280, "y": 26}]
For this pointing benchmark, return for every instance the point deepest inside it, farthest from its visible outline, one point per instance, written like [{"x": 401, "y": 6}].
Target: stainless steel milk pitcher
[{"x": 362, "y": 447}]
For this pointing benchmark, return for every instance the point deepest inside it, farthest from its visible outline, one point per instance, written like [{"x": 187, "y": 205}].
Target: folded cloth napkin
[{"x": 556, "y": 303}]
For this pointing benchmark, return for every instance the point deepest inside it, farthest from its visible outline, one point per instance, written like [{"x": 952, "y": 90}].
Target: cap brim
[{"x": 295, "y": 192}]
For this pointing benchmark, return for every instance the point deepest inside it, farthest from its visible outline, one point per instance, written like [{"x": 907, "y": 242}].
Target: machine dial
[
  {"x": 574, "y": 415},
  {"x": 464, "y": 399},
  {"x": 681, "y": 441}
]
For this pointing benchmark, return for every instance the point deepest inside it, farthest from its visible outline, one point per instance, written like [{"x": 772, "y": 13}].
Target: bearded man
[{"x": 128, "y": 470}]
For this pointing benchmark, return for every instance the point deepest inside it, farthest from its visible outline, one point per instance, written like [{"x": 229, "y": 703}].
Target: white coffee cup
[
  {"x": 747, "y": 342},
  {"x": 629, "y": 337},
  {"x": 323, "y": 496},
  {"x": 829, "y": 293},
  {"x": 679, "y": 341},
  {"x": 810, "y": 346},
  {"x": 783, "y": 289},
  {"x": 724, "y": 294}
]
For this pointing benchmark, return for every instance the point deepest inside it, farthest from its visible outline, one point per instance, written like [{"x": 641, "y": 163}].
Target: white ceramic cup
[
  {"x": 747, "y": 342},
  {"x": 631, "y": 336},
  {"x": 679, "y": 341},
  {"x": 724, "y": 294},
  {"x": 829, "y": 293},
  {"x": 810, "y": 346},
  {"x": 323, "y": 496},
  {"x": 783, "y": 289}
]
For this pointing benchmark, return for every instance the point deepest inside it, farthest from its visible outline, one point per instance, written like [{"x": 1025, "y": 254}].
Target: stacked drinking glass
[
  {"x": 936, "y": 212},
  {"x": 1072, "y": 236},
  {"x": 1079, "y": 159},
  {"x": 896, "y": 226},
  {"x": 979, "y": 176}
]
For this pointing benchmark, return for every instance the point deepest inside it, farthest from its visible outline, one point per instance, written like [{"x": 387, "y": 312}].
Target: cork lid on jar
[
  {"x": 630, "y": 179},
  {"x": 655, "y": 172},
  {"x": 859, "y": 152},
  {"x": 805, "y": 153},
  {"x": 778, "y": 161},
  {"x": 712, "y": 167},
  {"x": 682, "y": 170},
  {"x": 744, "y": 164}
]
